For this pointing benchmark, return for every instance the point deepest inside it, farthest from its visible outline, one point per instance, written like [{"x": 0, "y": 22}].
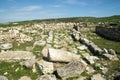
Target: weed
[
  {"x": 113, "y": 69},
  {"x": 15, "y": 71}
]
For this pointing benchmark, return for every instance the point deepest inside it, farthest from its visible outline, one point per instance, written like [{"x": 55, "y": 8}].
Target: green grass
[
  {"x": 22, "y": 46},
  {"x": 37, "y": 50},
  {"x": 108, "y": 44},
  {"x": 53, "y": 39},
  {"x": 72, "y": 78},
  {"x": 103, "y": 43},
  {"x": 113, "y": 70},
  {"x": 10, "y": 68},
  {"x": 84, "y": 74},
  {"x": 97, "y": 69}
]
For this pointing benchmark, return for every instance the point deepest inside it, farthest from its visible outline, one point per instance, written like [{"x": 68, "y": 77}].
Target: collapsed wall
[{"x": 112, "y": 33}]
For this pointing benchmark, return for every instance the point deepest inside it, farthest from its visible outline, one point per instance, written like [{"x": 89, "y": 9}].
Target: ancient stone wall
[{"x": 112, "y": 33}]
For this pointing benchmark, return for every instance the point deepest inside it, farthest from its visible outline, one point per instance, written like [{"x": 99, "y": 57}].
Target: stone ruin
[
  {"x": 60, "y": 58},
  {"x": 112, "y": 33}
]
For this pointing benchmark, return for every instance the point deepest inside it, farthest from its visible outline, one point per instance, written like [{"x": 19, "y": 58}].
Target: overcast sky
[{"x": 18, "y": 10}]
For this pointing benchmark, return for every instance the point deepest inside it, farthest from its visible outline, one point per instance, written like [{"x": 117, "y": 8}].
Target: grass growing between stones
[
  {"x": 53, "y": 38},
  {"x": 102, "y": 42},
  {"x": 22, "y": 46},
  {"x": 72, "y": 78},
  {"x": 79, "y": 77},
  {"x": 36, "y": 50},
  {"x": 13, "y": 70},
  {"x": 113, "y": 70}
]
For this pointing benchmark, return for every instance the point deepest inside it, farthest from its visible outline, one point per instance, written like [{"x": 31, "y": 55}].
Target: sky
[{"x": 20, "y": 10}]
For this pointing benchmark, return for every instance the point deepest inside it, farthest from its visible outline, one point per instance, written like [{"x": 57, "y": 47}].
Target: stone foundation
[{"x": 112, "y": 33}]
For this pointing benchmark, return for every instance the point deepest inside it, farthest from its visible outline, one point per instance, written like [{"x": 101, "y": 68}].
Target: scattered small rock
[
  {"x": 29, "y": 63},
  {"x": 6, "y": 46},
  {"x": 34, "y": 69},
  {"x": 3, "y": 77},
  {"x": 112, "y": 52},
  {"x": 16, "y": 69},
  {"x": 81, "y": 78},
  {"x": 47, "y": 77},
  {"x": 39, "y": 43},
  {"x": 105, "y": 51},
  {"x": 83, "y": 47},
  {"x": 91, "y": 59},
  {"x": 25, "y": 78},
  {"x": 5, "y": 73},
  {"x": 90, "y": 69},
  {"x": 29, "y": 48},
  {"x": 45, "y": 67},
  {"x": 104, "y": 69},
  {"x": 97, "y": 77},
  {"x": 45, "y": 51},
  {"x": 111, "y": 57}
]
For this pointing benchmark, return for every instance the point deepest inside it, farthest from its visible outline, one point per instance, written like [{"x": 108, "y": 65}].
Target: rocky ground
[{"x": 60, "y": 51}]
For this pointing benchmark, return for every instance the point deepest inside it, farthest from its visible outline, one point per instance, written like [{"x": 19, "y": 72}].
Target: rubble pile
[{"x": 58, "y": 50}]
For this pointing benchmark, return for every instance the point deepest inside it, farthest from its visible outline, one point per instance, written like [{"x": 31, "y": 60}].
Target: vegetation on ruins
[{"x": 61, "y": 39}]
